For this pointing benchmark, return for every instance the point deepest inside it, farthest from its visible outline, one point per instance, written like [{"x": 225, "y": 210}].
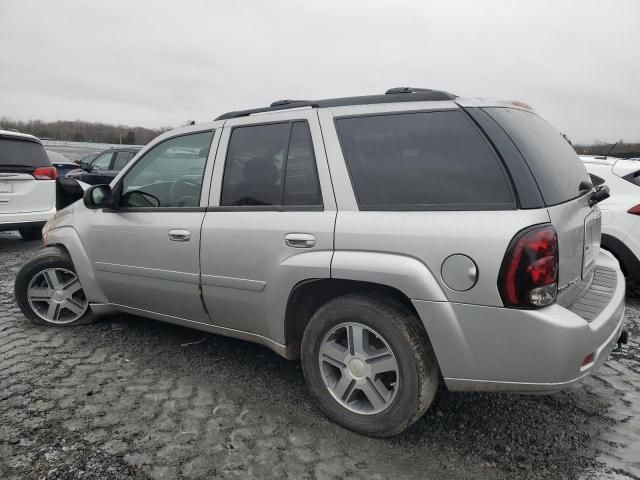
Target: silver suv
[{"x": 392, "y": 242}]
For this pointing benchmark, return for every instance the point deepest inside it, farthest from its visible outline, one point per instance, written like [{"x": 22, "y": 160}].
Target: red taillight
[
  {"x": 635, "y": 210},
  {"x": 529, "y": 273},
  {"x": 45, "y": 173}
]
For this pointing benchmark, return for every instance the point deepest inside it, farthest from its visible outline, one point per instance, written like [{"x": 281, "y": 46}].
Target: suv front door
[
  {"x": 146, "y": 251},
  {"x": 270, "y": 222}
]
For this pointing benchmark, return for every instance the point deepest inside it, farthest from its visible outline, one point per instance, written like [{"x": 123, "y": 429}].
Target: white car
[
  {"x": 621, "y": 211},
  {"x": 27, "y": 185}
]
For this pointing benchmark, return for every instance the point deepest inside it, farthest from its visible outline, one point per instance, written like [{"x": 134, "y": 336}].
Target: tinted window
[
  {"x": 21, "y": 153},
  {"x": 301, "y": 186},
  {"x": 168, "y": 175},
  {"x": 255, "y": 167},
  {"x": 434, "y": 160},
  {"x": 553, "y": 162},
  {"x": 122, "y": 158},
  {"x": 102, "y": 163}
]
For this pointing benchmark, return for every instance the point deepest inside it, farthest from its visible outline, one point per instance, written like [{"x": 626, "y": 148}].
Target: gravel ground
[{"x": 132, "y": 398}]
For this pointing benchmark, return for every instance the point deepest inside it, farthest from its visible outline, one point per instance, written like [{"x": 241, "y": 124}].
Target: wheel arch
[
  {"x": 309, "y": 295},
  {"x": 628, "y": 261},
  {"x": 68, "y": 239}
]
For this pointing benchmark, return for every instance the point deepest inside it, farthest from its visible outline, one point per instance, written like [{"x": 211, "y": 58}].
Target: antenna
[{"x": 610, "y": 150}]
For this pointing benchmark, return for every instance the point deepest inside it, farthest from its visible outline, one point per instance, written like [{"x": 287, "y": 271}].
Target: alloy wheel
[
  {"x": 359, "y": 368},
  {"x": 56, "y": 296}
]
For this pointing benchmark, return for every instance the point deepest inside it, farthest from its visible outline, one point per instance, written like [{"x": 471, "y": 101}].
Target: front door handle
[
  {"x": 179, "y": 235},
  {"x": 299, "y": 240}
]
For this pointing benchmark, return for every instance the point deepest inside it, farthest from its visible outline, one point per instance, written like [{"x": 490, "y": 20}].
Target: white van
[{"x": 27, "y": 185}]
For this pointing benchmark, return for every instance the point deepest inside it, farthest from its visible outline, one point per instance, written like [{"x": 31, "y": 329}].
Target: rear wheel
[
  {"x": 31, "y": 233},
  {"x": 48, "y": 290},
  {"x": 369, "y": 364}
]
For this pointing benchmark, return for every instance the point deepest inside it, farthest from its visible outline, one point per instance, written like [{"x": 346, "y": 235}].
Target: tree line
[{"x": 81, "y": 131}]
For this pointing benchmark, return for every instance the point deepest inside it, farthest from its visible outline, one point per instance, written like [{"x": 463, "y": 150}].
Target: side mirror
[{"x": 98, "y": 196}]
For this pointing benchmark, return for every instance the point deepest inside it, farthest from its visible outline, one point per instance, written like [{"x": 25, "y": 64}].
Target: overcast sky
[{"x": 160, "y": 63}]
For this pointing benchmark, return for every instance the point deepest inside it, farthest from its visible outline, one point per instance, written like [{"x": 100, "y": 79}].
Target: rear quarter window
[
  {"x": 22, "y": 153},
  {"x": 422, "y": 161},
  {"x": 554, "y": 163}
]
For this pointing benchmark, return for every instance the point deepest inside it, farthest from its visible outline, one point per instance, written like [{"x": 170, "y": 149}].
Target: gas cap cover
[{"x": 459, "y": 272}]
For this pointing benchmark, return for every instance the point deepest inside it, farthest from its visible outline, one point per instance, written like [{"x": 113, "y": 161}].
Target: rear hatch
[
  {"x": 20, "y": 190},
  {"x": 558, "y": 173}
]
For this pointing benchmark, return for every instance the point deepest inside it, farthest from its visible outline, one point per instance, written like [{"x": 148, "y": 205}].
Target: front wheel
[
  {"x": 48, "y": 290},
  {"x": 369, "y": 364}
]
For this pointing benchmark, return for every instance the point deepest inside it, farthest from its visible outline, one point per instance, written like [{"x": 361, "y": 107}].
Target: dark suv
[{"x": 105, "y": 166}]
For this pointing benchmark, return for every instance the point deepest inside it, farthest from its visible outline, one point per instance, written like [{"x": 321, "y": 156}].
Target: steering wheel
[{"x": 182, "y": 199}]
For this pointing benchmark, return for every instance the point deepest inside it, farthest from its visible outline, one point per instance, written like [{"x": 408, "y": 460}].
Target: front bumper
[
  {"x": 535, "y": 351},
  {"x": 15, "y": 221}
]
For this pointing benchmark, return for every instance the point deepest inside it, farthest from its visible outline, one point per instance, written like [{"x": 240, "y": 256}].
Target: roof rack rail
[
  {"x": 394, "y": 90},
  {"x": 275, "y": 106},
  {"x": 393, "y": 95},
  {"x": 279, "y": 103}
]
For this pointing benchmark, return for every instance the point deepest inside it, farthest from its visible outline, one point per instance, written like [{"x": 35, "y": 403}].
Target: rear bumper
[
  {"x": 15, "y": 221},
  {"x": 529, "y": 351}
]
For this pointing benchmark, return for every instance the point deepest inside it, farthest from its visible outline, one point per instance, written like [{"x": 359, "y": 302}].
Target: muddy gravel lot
[{"x": 132, "y": 398}]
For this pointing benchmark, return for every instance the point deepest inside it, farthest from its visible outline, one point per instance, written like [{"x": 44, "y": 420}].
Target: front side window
[
  {"x": 422, "y": 161},
  {"x": 168, "y": 175},
  {"x": 102, "y": 163},
  {"x": 271, "y": 165}
]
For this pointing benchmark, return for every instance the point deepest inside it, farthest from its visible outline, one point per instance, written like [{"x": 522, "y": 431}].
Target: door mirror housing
[{"x": 98, "y": 196}]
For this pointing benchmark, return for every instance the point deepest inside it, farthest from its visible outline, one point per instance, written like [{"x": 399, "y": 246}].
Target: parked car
[
  {"x": 85, "y": 161},
  {"x": 105, "y": 166},
  {"x": 27, "y": 185},
  {"x": 62, "y": 164},
  {"x": 389, "y": 241},
  {"x": 620, "y": 212}
]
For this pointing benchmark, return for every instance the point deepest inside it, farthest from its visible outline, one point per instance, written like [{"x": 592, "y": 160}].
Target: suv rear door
[
  {"x": 270, "y": 222},
  {"x": 20, "y": 190}
]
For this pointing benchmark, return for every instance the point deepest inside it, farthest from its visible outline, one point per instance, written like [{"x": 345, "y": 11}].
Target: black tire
[
  {"x": 403, "y": 332},
  {"x": 48, "y": 257},
  {"x": 31, "y": 233}
]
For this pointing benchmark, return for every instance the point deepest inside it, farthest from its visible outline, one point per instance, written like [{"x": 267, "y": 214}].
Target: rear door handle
[
  {"x": 179, "y": 235},
  {"x": 299, "y": 240}
]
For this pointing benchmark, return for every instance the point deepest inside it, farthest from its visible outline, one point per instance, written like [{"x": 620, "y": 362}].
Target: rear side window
[
  {"x": 422, "y": 161},
  {"x": 22, "y": 153},
  {"x": 555, "y": 165},
  {"x": 271, "y": 165},
  {"x": 122, "y": 158}
]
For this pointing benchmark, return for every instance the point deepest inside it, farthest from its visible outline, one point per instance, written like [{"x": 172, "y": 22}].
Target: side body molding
[
  {"x": 68, "y": 237},
  {"x": 407, "y": 274}
]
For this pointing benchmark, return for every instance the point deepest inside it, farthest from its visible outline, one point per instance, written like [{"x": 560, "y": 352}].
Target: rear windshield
[
  {"x": 422, "y": 161},
  {"x": 555, "y": 165},
  {"x": 22, "y": 153}
]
